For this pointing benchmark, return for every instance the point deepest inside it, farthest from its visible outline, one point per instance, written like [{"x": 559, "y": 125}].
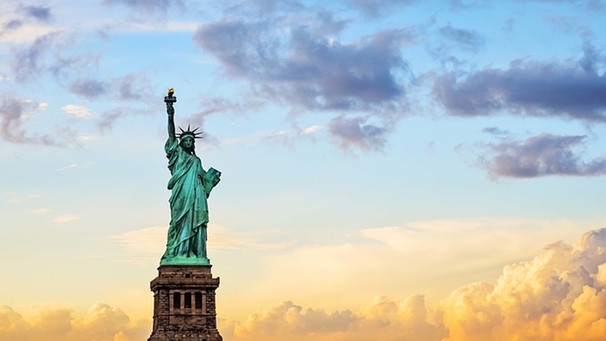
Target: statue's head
[
  {"x": 187, "y": 138},
  {"x": 187, "y": 142}
]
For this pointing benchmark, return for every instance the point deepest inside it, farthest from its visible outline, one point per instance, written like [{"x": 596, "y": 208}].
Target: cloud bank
[
  {"x": 560, "y": 294},
  {"x": 101, "y": 323}
]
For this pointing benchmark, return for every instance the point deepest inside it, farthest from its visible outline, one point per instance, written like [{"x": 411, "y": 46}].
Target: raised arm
[{"x": 170, "y": 110}]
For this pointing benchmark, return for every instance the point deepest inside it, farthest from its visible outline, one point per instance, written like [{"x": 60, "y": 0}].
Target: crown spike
[{"x": 193, "y": 133}]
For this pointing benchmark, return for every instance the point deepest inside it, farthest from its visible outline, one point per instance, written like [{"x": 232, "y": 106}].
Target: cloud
[
  {"x": 66, "y": 218},
  {"x": 466, "y": 39},
  {"x": 101, "y": 323},
  {"x": 29, "y": 62},
  {"x": 530, "y": 88},
  {"x": 64, "y": 168},
  {"x": 299, "y": 61},
  {"x": 128, "y": 87},
  {"x": 41, "y": 211},
  {"x": 358, "y": 132},
  {"x": 542, "y": 155},
  {"x": 308, "y": 69},
  {"x": 148, "y": 6},
  {"x": 89, "y": 88},
  {"x": 77, "y": 111},
  {"x": 15, "y": 198},
  {"x": 376, "y": 8},
  {"x": 435, "y": 255},
  {"x": 559, "y": 294},
  {"x": 37, "y": 12},
  {"x": 15, "y": 113},
  {"x": 288, "y": 137},
  {"x": 142, "y": 246}
]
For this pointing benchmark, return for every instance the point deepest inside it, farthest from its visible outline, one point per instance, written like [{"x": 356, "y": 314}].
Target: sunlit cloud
[
  {"x": 16, "y": 198},
  {"x": 77, "y": 111},
  {"x": 142, "y": 246},
  {"x": 102, "y": 323},
  {"x": 66, "y": 218},
  {"x": 41, "y": 211},
  {"x": 448, "y": 251},
  {"x": 87, "y": 138},
  {"x": 312, "y": 129},
  {"x": 557, "y": 294}
]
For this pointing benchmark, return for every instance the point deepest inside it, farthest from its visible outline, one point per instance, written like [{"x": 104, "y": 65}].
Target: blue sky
[{"x": 374, "y": 154}]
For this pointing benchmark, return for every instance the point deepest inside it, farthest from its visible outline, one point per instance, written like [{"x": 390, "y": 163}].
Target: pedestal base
[{"x": 184, "y": 304}]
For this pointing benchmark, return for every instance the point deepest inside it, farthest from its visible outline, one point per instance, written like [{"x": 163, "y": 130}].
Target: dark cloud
[
  {"x": 589, "y": 4},
  {"x": 527, "y": 88},
  {"x": 304, "y": 69},
  {"x": 466, "y": 39},
  {"x": 592, "y": 59},
  {"x": 465, "y": 4},
  {"x": 376, "y": 8},
  {"x": 13, "y": 113},
  {"x": 37, "y": 12},
  {"x": 107, "y": 119},
  {"x": 13, "y": 25},
  {"x": 89, "y": 88},
  {"x": 148, "y": 6},
  {"x": 29, "y": 62},
  {"x": 50, "y": 54},
  {"x": 133, "y": 87},
  {"x": 357, "y": 132},
  {"x": 495, "y": 131},
  {"x": 542, "y": 155}
]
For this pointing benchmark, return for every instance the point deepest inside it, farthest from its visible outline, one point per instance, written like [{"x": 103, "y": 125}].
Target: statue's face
[{"x": 188, "y": 142}]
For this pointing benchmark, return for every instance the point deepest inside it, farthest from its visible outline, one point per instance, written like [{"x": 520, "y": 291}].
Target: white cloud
[
  {"x": 311, "y": 129},
  {"x": 87, "y": 138},
  {"x": 77, "y": 111},
  {"x": 72, "y": 166}
]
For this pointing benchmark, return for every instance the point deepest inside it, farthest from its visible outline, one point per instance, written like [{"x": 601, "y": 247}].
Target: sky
[{"x": 393, "y": 170}]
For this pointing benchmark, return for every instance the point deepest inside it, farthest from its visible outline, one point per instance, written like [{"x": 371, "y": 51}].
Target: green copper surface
[{"x": 190, "y": 187}]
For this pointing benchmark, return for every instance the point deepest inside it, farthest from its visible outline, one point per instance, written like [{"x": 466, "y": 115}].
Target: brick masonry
[{"x": 184, "y": 304}]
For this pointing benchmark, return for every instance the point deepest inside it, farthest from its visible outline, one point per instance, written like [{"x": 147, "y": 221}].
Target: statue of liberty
[{"x": 190, "y": 185}]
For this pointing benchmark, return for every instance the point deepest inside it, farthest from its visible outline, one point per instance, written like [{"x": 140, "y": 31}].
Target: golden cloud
[
  {"x": 101, "y": 323},
  {"x": 560, "y": 294}
]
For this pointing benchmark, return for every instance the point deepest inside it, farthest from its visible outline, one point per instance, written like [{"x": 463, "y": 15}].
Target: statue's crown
[{"x": 193, "y": 133}]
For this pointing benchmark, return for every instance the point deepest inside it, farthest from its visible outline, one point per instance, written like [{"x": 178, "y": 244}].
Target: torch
[{"x": 170, "y": 98}]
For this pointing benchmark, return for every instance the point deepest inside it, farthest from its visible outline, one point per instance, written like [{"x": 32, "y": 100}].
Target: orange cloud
[
  {"x": 101, "y": 323},
  {"x": 560, "y": 294}
]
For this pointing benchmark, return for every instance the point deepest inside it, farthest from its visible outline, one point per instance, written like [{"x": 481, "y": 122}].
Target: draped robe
[{"x": 188, "y": 206}]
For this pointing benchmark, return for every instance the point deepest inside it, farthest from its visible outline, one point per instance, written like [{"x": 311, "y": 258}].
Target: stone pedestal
[{"x": 184, "y": 304}]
